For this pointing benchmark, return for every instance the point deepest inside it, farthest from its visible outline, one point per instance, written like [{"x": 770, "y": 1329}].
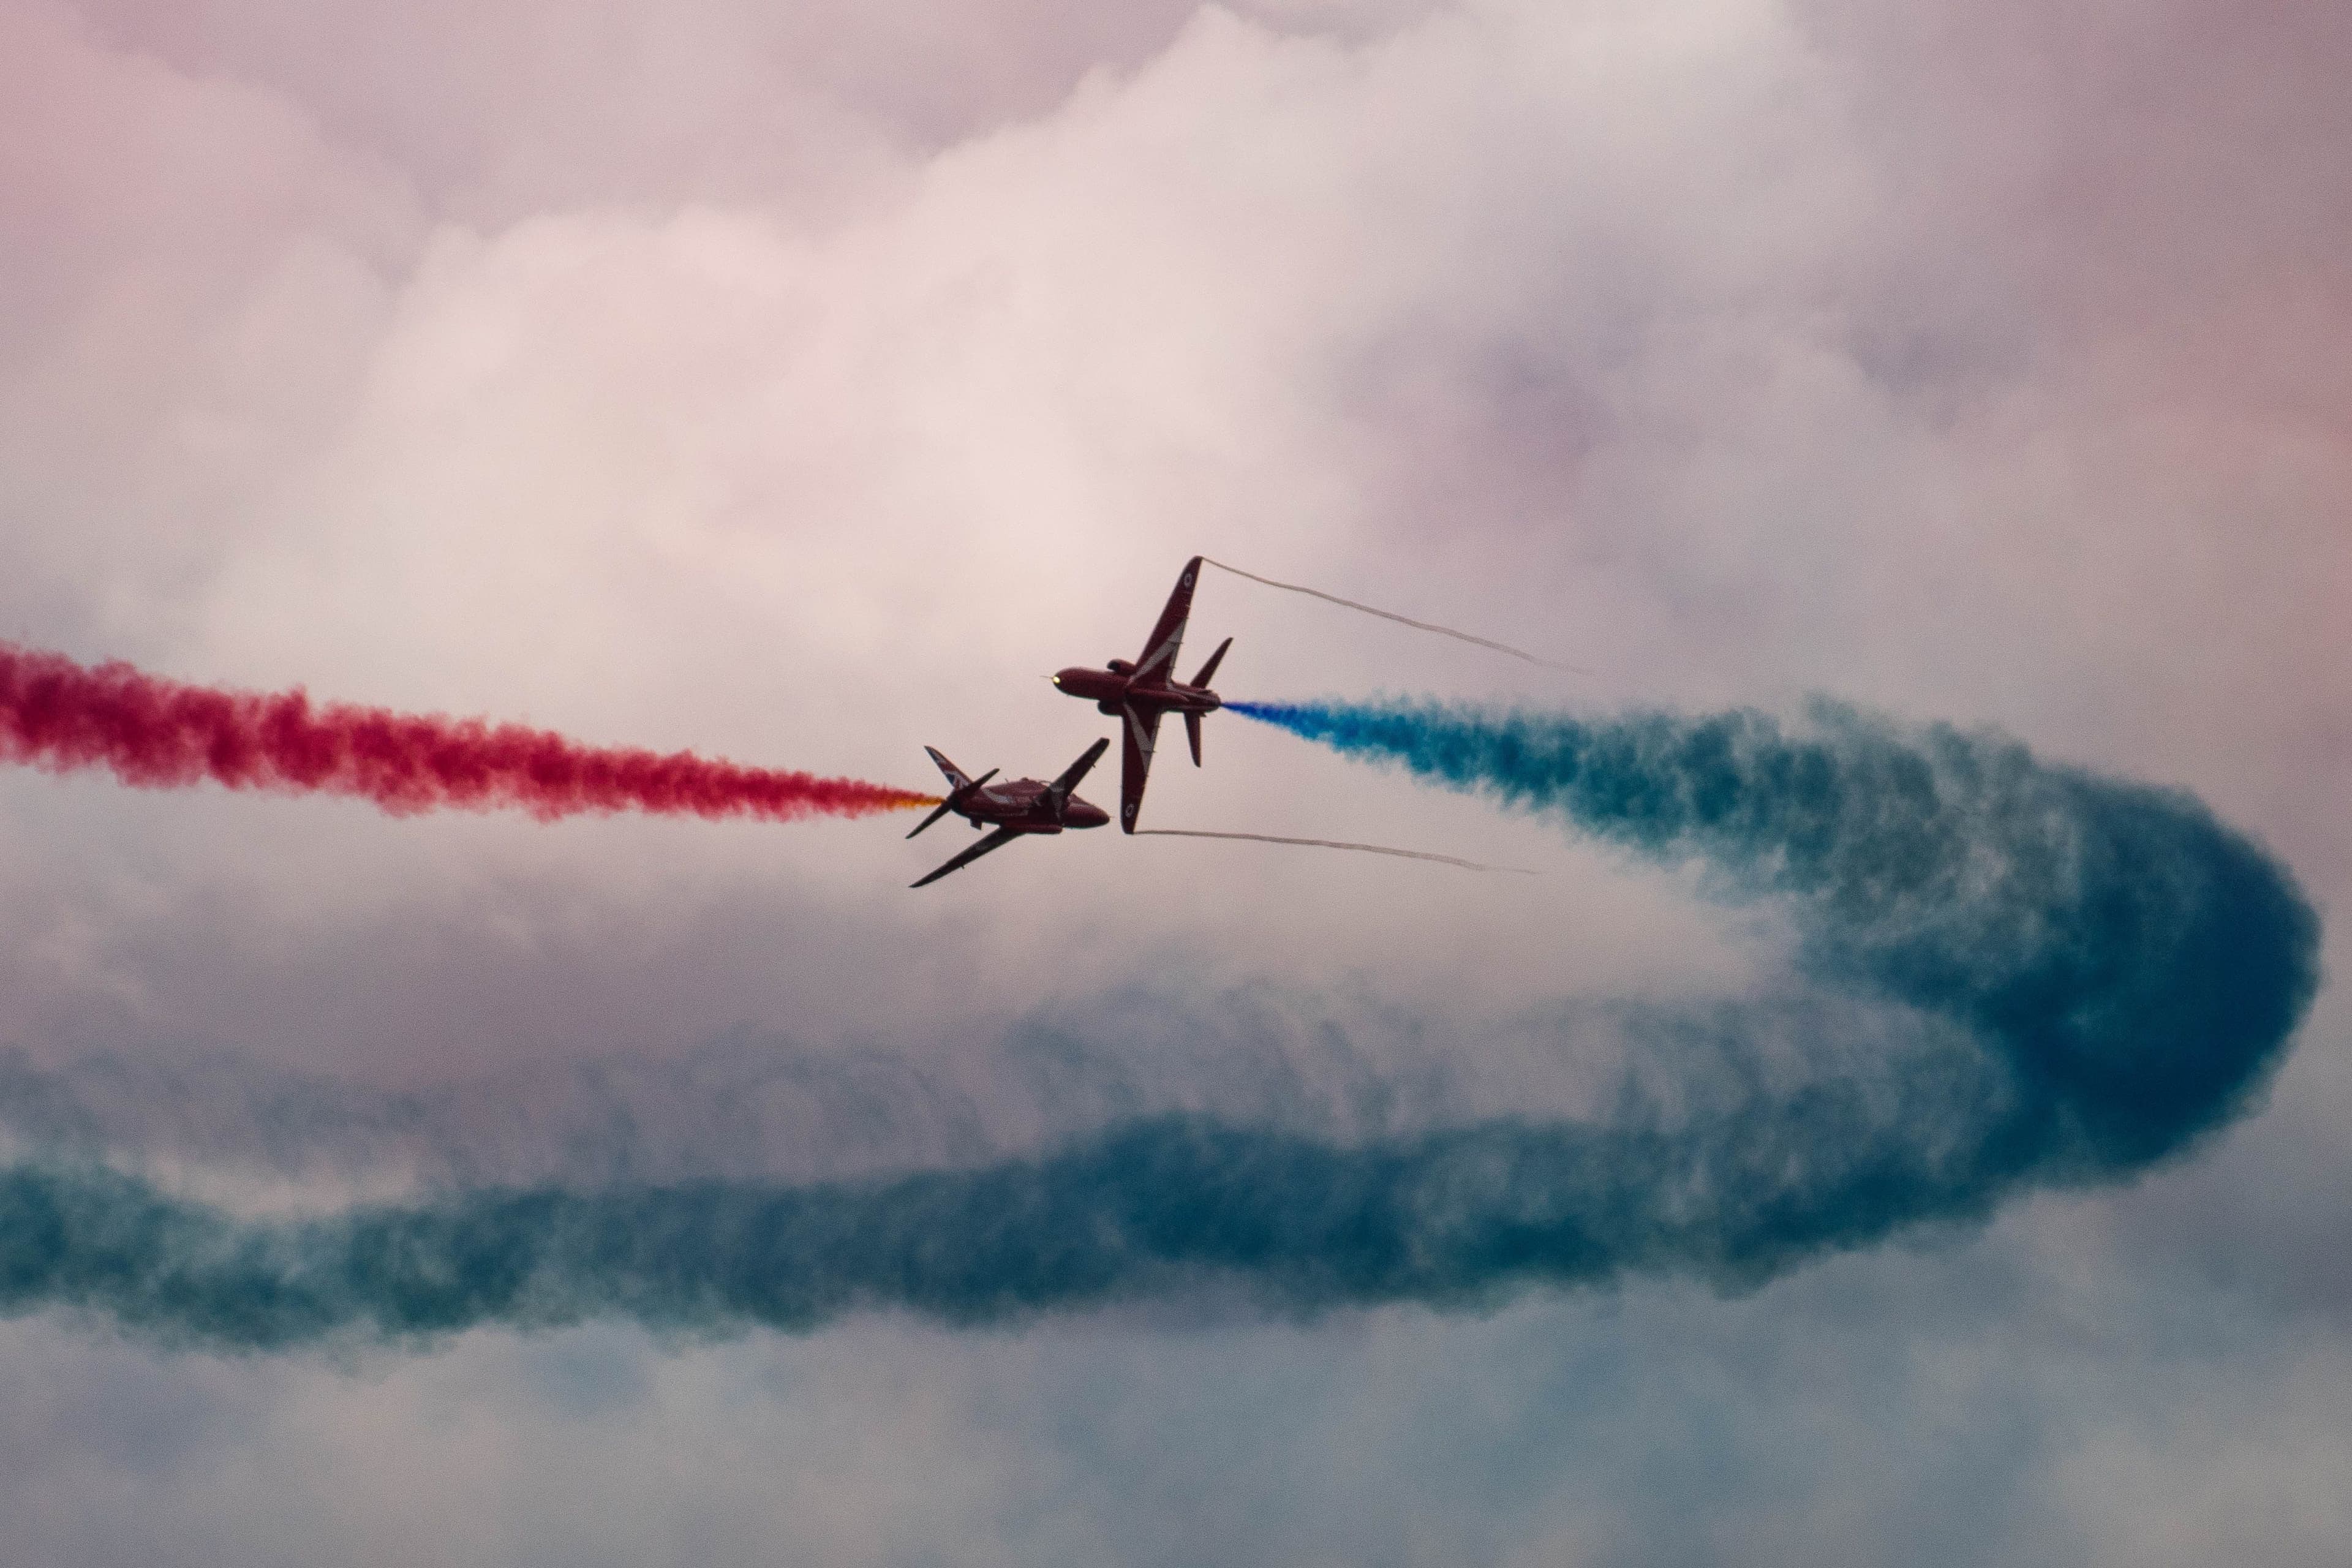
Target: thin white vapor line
[
  {"x": 1334, "y": 844},
  {"x": 1404, "y": 620}
]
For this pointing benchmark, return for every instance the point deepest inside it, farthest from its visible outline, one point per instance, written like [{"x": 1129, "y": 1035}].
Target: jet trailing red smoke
[{"x": 161, "y": 734}]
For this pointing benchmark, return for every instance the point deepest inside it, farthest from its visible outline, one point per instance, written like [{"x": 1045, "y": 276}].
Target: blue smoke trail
[
  {"x": 2133, "y": 964},
  {"x": 2084, "y": 975}
]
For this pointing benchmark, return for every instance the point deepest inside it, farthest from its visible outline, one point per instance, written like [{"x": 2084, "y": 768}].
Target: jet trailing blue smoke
[{"x": 2079, "y": 977}]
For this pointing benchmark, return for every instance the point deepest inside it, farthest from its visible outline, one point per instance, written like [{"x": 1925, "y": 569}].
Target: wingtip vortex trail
[
  {"x": 1335, "y": 843},
  {"x": 1445, "y": 631}
]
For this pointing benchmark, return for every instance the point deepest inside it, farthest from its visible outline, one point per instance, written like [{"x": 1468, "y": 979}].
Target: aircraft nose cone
[{"x": 1086, "y": 814}]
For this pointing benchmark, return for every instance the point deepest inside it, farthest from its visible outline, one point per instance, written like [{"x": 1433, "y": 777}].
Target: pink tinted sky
[{"x": 802, "y": 382}]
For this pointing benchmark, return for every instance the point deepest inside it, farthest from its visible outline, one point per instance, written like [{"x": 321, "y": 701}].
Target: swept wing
[
  {"x": 996, "y": 840},
  {"x": 1157, "y": 665},
  {"x": 1059, "y": 791},
  {"x": 1141, "y": 732}
]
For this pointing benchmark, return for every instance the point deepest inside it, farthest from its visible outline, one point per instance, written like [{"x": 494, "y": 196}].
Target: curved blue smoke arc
[{"x": 2111, "y": 971}]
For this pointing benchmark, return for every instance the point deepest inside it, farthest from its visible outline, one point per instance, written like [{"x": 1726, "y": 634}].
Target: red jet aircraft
[
  {"x": 1022, "y": 806},
  {"x": 1141, "y": 692}
]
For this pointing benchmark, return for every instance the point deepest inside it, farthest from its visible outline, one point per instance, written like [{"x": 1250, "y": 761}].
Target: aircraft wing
[
  {"x": 1060, "y": 790},
  {"x": 996, "y": 840},
  {"x": 1142, "y": 733},
  {"x": 1159, "y": 660}
]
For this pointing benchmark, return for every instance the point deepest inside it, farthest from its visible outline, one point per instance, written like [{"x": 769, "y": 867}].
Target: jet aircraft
[
  {"x": 1141, "y": 693},
  {"x": 1019, "y": 807}
]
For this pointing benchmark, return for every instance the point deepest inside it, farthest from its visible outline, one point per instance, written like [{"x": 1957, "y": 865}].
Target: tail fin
[
  {"x": 955, "y": 774},
  {"x": 958, "y": 787},
  {"x": 1208, "y": 673},
  {"x": 1192, "y": 733}
]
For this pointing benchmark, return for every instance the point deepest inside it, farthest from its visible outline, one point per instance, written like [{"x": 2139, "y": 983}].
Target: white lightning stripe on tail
[{"x": 1332, "y": 843}]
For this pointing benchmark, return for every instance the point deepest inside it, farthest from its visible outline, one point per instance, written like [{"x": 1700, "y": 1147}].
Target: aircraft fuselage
[
  {"x": 1022, "y": 807},
  {"x": 1016, "y": 808},
  {"x": 1109, "y": 689}
]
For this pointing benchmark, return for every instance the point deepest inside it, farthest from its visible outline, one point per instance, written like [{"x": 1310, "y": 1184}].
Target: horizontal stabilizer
[
  {"x": 956, "y": 796},
  {"x": 1192, "y": 733},
  {"x": 1209, "y": 671}
]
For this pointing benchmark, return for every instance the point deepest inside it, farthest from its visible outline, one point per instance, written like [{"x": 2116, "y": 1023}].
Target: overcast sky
[{"x": 800, "y": 383}]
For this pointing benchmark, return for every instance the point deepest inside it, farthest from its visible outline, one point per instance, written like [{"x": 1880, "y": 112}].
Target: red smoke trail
[{"x": 160, "y": 734}]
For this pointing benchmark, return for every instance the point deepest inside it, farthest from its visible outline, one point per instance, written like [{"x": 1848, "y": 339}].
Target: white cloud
[{"x": 800, "y": 383}]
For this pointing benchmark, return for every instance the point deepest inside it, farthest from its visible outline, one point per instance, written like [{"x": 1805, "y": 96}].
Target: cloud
[{"x": 1971, "y": 364}]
